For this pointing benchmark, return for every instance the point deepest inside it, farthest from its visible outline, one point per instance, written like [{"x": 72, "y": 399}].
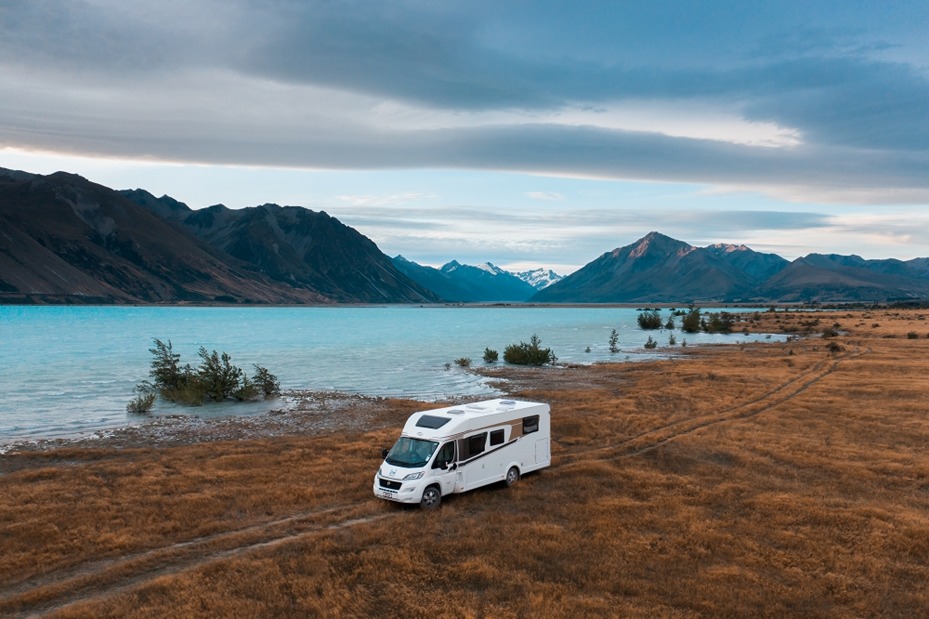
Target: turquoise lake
[{"x": 67, "y": 371}]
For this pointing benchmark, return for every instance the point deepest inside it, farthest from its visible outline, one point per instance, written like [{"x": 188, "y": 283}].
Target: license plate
[{"x": 384, "y": 494}]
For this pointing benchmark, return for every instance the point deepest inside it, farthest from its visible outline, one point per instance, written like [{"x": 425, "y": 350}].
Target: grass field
[{"x": 756, "y": 480}]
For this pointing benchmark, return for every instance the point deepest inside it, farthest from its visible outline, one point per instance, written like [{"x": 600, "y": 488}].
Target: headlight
[{"x": 413, "y": 476}]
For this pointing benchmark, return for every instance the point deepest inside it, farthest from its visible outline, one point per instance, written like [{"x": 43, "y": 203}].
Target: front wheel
[
  {"x": 432, "y": 497},
  {"x": 512, "y": 476}
]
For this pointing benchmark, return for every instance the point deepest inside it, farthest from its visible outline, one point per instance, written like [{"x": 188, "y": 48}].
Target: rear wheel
[
  {"x": 432, "y": 497},
  {"x": 512, "y": 476}
]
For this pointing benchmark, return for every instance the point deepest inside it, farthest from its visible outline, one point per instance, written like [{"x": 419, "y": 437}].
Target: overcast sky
[{"x": 523, "y": 133}]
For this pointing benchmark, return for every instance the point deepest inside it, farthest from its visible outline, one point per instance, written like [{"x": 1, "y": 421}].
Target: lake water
[{"x": 66, "y": 371}]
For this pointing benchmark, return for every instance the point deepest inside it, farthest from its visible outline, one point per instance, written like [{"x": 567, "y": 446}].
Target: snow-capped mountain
[
  {"x": 539, "y": 278},
  {"x": 483, "y": 283}
]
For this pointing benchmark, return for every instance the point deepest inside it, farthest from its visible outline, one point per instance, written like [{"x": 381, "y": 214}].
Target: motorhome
[{"x": 459, "y": 448}]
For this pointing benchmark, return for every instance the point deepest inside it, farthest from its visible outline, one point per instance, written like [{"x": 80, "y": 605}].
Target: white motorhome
[{"x": 459, "y": 448}]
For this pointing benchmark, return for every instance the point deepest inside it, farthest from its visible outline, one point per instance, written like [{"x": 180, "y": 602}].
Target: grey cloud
[{"x": 74, "y": 70}]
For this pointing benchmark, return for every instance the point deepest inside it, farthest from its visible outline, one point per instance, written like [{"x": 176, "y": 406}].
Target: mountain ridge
[
  {"x": 66, "y": 239},
  {"x": 657, "y": 268}
]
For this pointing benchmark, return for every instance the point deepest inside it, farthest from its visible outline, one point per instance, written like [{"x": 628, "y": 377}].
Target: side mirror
[{"x": 384, "y": 453}]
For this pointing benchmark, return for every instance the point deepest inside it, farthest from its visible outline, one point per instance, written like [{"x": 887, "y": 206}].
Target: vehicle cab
[{"x": 415, "y": 465}]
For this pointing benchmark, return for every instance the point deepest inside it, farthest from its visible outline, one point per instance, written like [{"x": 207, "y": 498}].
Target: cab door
[{"x": 444, "y": 467}]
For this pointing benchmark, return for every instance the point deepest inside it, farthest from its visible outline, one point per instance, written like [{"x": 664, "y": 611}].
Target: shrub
[
  {"x": 464, "y": 362},
  {"x": 670, "y": 324},
  {"x": 828, "y": 332},
  {"x": 672, "y": 340},
  {"x": 650, "y": 343},
  {"x": 912, "y": 335},
  {"x": 690, "y": 323},
  {"x": 490, "y": 355},
  {"x": 835, "y": 348},
  {"x": 649, "y": 319},
  {"x": 528, "y": 354},
  {"x": 217, "y": 379},
  {"x": 266, "y": 382},
  {"x": 718, "y": 323},
  {"x": 167, "y": 374},
  {"x": 248, "y": 390},
  {"x": 614, "y": 341},
  {"x": 143, "y": 402}
]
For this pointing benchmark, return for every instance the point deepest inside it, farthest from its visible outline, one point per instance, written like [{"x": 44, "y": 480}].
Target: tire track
[
  {"x": 656, "y": 437},
  {"x": 102, "y": 578}
]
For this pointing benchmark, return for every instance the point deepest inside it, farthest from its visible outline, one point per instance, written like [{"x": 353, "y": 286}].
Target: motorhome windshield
[{"x": 411, "y": 452}]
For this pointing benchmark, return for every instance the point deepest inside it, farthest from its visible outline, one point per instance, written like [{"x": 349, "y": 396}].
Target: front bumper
[{"x": 407, "y": 492}]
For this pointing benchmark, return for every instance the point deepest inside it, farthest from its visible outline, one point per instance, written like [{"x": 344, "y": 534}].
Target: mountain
[
  {"x": 64, "y": 239},
  {"x": 818, "y": 277},
  {"x": 68, "y": 240},
  {"x": 295, "y": 246},
  {"x": 658, "y": 268},
  {"x": 458, "y": 282},
  {"x": 539, "y": 278}
]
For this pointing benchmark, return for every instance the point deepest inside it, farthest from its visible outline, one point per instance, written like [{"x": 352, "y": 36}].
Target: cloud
[
  {"x": 812, "y": 101},
  {"x": 545, "y": 196},
  {"x": 384, "y": 200}
]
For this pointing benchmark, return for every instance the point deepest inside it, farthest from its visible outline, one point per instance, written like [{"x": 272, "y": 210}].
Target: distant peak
[
  {"x": 657, "y": 242},
  {"x": 728, "y": 248},
  {"x": 490, "y": 268}
]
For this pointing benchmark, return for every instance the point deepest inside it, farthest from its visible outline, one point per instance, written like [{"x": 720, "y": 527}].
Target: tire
[
  {"x": 432, "y": 498},
  {"x": 512, "y": 476}
]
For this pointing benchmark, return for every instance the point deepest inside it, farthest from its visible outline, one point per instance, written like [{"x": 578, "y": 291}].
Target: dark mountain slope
[
  {"x": 819, "y": 277},
  {"x": 66, "y": 239},
  {"x": 297, "y": 246}
]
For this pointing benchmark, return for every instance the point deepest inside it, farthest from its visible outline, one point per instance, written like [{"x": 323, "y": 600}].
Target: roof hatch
[{"x": 432, "y": 422}]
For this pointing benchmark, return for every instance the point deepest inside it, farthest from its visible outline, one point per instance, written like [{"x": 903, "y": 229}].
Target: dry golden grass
[{"x": 758, "y": 480}]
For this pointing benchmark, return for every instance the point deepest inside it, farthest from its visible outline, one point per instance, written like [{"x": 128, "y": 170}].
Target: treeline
[{"x": 691, "y": 320}]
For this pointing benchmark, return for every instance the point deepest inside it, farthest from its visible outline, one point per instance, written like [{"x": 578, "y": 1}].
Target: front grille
[{"x": 390, "y": 485}]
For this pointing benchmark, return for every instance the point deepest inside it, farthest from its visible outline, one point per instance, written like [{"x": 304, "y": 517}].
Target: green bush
[
  {"x": 690, "y": 323},
  {"x": 490, "y": 355},
  {"x": 614, "y": 341},
  {"x": 143, "y": 402},
  {"x": 718, "y": 323},
  {"x": 216, "y": 380},
  {"x": 464, "y": 362},
  {"x": 649, "y": 319},
  {"x": 266, "y": 382},
  {"x": 528, "y": 354},
  {"x": 912, "y": 335},
  {"x": 650, "y": 344}
]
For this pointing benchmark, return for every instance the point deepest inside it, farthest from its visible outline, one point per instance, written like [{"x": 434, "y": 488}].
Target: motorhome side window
[
  {"x": 473, "y": 445},
  {"x": 496, "y": 437},
  {"x": 446, "y": 455},
  {"x": 530, "y": 424}
]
